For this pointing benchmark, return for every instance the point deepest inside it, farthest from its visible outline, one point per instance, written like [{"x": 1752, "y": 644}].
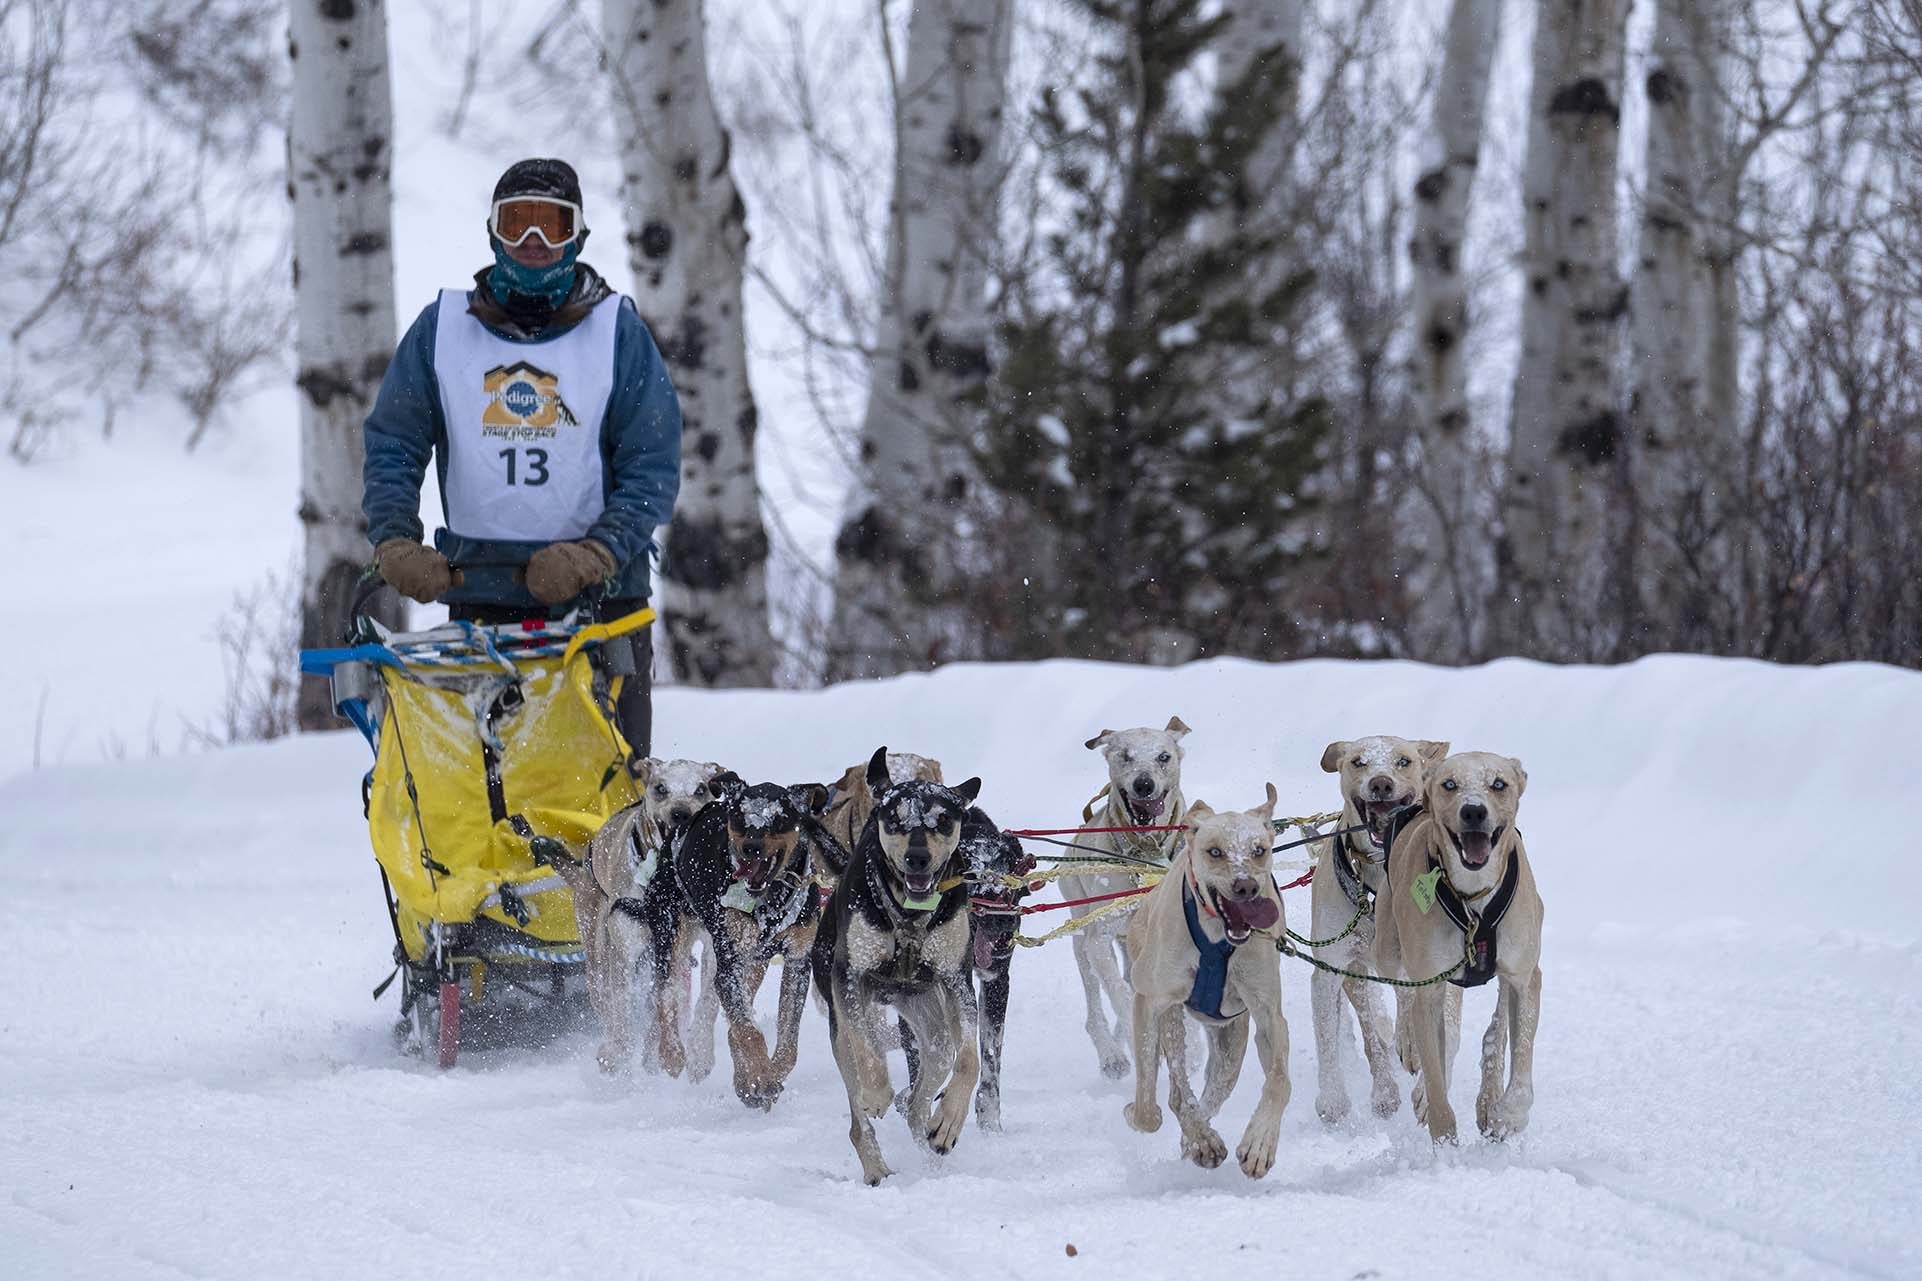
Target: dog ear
[
  {"x": 878, "y": 780},
  {"x": 1196, "y": 812},
  {"x": 714, "y": 770},
  {"x": 1267, "y": 809},
  {"x": 1431, "y": 752},
  {"x": 728, "y": 786},
  {"x": 1521, "y": 777},
  {"x": 641, "y": 769},
  {"x": 812, "y": 797},
  {"x": 968, "y": 790},
  {"x": 1177, "y": 727},
  {"x": 1331, "y": 757},
  {"x": 1099, "y": 739},
  {"x": 851, "y": 780}
]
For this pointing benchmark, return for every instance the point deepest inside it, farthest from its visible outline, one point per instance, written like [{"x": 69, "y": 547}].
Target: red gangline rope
[{"x": 1087, "y": 831}]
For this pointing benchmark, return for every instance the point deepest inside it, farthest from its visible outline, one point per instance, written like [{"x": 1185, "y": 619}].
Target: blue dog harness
[{"x": 1211, "y": 979}]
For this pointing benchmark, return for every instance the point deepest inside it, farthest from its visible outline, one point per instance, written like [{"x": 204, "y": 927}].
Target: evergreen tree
[{"x": 1148, "y": 466}]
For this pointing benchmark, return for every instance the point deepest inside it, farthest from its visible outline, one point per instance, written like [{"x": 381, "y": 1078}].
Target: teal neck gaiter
[{"x": 549, "y": 284}]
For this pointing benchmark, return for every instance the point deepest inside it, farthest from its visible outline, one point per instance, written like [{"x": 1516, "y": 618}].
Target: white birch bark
[
  {"x": 687, "y": 245},
  {"x": 338, "y": 157},
  {"x": 1258, "y": 30},
  {"x": 1559, "y": 583},
  {"x": 1447, "y": 579},
  {"x": 930, "y": 365},
  {"x": 1681, "y": 449}
]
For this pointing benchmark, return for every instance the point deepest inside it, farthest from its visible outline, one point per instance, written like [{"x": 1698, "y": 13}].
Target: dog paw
[
  {"x": 1204, "y": 1147},
  {"x": 699, "y": 1062},
  {"x": 1441, "y": 1123},
  {"x": 673, "y": 1058},
  {"x": 1145, "y": 1119},
  {"x": 949, "y": 1120},
  {"x": 872, "y": 1172},
  {"x": 1332, "y": 1108},
  {"x": 1507, "y": 1118},
  {"x": 1114, "y": 1066},
  {"x": 1385, "y": 1099},
  {"x": 1257, "y": 1151}
]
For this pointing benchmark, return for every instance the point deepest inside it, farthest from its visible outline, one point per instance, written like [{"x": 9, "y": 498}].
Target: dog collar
[
  {"x": 1478, "y": 928},
  {"x": 1211, "y": 977}
]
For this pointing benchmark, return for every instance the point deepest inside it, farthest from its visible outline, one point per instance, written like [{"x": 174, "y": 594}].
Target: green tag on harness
[
  {"x": 738, "y": 898},
  {"x": 926, "y": 903},
  {"x": 1423, "y": 890}
]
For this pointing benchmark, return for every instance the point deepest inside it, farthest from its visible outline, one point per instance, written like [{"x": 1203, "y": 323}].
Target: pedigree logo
[{"x": 523, "y": 403}]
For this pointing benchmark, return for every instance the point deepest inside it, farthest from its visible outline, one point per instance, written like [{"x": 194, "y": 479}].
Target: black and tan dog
[
  {"x": 992, "y": 858},
  {"x": 897, "y": 932},
  {"x": 745, "y": 867}
]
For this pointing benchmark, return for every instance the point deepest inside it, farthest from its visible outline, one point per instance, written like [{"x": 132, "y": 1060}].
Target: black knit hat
[{"x": 555, "y": 179}]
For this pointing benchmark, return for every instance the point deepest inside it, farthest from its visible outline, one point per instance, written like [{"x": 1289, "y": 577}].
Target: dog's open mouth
[
  {"x": 1243, "y": 916},
  {"x": 918, "y": 884},
  {"x": 1144, "y": 810},
  {"x": 1476, "y": 848},
  {"x": 755, "y": 873},
  {"x": 1379, "y": 816}
]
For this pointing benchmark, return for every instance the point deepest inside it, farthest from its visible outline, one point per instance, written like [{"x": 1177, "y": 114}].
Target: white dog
[
  {"x": 1144, "y": 790},
  {"x": 1379, "y": 775}
]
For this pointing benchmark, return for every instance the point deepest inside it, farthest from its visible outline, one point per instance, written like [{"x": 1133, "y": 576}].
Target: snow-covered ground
[{"x": 193, "y": 1082}]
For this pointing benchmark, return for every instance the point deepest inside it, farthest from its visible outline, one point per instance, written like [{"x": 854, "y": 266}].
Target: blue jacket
[{"x": 640, "y": 442}]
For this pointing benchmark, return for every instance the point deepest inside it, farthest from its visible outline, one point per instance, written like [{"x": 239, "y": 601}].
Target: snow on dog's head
[
  {"x": 1144, "y": 768},
  {"x": 1379, "y": 775},
  {"x": 918, "y": 824},
  {"x": 1230, "y": 856},
  {"x": 672, "y": 792},
  {"x": 1474, "y": 796}
]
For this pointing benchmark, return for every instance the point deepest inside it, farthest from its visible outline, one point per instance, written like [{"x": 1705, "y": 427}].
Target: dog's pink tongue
[{"x": 1251, "y": 914}]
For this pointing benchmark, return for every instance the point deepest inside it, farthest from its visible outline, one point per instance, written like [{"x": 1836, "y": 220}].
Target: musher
[{"x": 543, "y": 401}]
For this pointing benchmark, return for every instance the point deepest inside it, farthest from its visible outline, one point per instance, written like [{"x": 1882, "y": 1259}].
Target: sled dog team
[{"x": 892, "y": 889}]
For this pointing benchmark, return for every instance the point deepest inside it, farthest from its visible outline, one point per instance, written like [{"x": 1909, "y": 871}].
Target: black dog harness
[
  {"x": 1211, "y": 979},
  {"x": 1348, "y": 877},
  {"x": 1478, "y": 929}
]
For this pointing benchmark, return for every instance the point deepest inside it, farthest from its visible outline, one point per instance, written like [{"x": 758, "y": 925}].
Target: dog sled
[{"x": 489, "y": 744}]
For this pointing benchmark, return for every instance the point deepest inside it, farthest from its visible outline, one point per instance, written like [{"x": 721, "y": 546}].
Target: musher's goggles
[{"x": 556, "y": 222}]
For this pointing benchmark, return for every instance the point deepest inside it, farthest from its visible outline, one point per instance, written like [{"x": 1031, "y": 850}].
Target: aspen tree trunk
[
  {"x": 928, "y": 377},
  {"x": 1560, "y": 588},
  {"x": 338, "y": 157},
  {"x": 1258, "y": 30},
  {"x": 1681, "y": 447},
  {"x": 1447, "y": 579},
  {"x": 687, "y": 244}
]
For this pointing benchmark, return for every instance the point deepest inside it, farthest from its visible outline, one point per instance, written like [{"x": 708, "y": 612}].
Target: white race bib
[{"x": 524, "y": 425}]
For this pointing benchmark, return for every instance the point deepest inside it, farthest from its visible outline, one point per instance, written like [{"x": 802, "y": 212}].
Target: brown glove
[
  {"x": 562, "y": 571},
  {"x": 415, "y": 569}
]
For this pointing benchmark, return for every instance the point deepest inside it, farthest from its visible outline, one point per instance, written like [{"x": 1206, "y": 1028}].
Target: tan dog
[
  {"x": 1379, "y": 775},
  {"x": 1194, "y": 944},
  {"x": 625, "y": 860},
  {"x": 1144, "y": 790},
  {"x": 1467, "y": 855}
]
